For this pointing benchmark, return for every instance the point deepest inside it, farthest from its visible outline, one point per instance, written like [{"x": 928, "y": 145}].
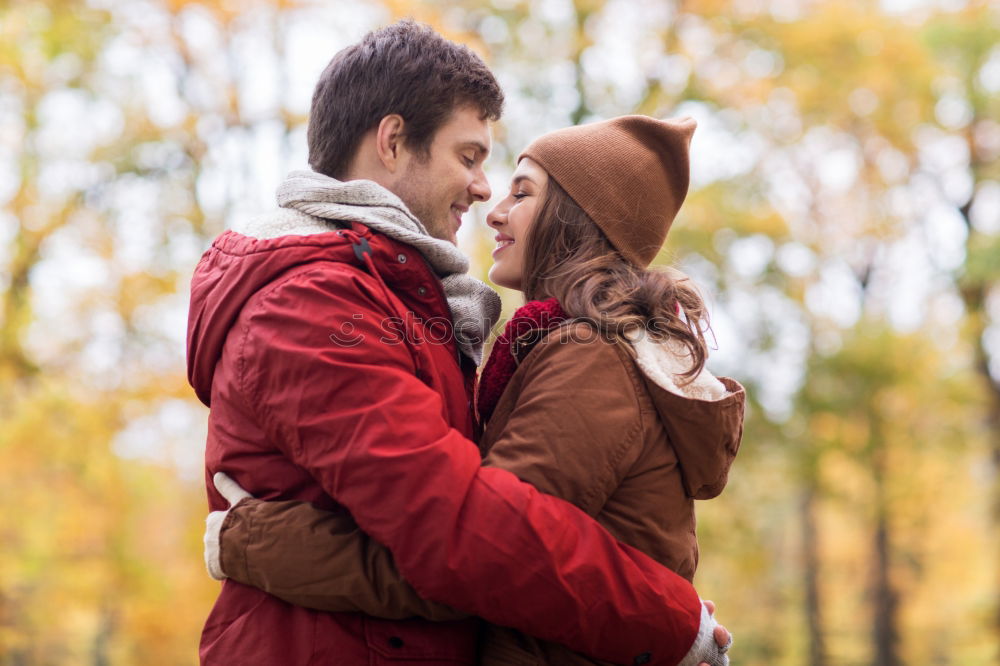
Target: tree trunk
[
  {"x": 810, "y": 557},
  {"x": 885, "y": 598},
  {"x": 975, "y": 295}
]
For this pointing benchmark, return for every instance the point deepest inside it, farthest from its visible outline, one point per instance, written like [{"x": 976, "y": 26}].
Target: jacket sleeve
[
  {"x": 356, "y": 416},
  {"x": 318, "y": 559},
  {"x": 576, "y": 428}
]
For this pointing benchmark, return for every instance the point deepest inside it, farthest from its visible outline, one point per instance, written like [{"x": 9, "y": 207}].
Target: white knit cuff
[
  {"x": 213, "y": 546},
  {"x": 705, "y": 649}
]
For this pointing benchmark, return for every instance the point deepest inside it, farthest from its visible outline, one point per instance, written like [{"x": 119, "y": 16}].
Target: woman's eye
[{"x": 519, "y": 195}]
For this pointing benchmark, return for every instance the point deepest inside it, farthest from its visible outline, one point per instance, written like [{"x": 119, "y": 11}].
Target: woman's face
[{"x": 512, "y": 218}]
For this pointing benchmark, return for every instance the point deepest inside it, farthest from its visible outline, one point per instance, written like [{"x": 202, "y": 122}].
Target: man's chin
[
  {"x": 443, "y": 232},
  {"x": 453, "y": 239}
]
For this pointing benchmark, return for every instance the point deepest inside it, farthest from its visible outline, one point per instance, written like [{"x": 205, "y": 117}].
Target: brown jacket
[{"x": 601, "y": 425}]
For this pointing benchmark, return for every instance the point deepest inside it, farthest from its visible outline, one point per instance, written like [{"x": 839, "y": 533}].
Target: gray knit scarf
[{"x": 474, "y": 306}]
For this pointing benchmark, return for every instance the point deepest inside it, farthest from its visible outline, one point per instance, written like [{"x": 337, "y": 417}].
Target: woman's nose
[{"x": 497, "y": 216}]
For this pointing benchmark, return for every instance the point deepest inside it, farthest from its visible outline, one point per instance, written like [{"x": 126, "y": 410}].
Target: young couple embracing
[{"x": 388, "y": 503}]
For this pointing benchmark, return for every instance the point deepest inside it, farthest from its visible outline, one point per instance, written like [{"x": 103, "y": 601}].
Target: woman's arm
[{"x": 317, "y": 559}]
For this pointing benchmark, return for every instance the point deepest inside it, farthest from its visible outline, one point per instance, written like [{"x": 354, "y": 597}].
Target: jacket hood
[
  {"x": 703, "y": 418},
  {"x": 236, "y": 267}
]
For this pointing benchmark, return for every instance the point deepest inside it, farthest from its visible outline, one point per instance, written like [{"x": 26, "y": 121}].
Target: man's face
[{"x": 440, "y": 187}]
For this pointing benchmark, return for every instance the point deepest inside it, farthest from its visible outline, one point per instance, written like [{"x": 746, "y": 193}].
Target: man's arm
[
  {"x": 295, "y": 551},
  {"x": 321, "y": 560},
  {"x": 477, "y": 539}
]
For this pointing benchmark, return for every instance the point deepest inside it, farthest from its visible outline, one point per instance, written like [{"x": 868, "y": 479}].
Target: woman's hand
[{"x": 234, "y": 494}]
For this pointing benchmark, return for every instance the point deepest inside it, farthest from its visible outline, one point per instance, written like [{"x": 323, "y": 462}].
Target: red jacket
[{"x": 331, "y": 377}]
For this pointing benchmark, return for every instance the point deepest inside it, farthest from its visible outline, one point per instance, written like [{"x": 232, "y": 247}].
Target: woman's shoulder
[
  {"x": 570, "y": 337},
  {"x": 578, "y": 346}
]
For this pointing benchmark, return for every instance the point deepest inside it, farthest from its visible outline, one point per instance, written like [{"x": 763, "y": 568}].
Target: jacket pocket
[{"x": 421, "y": 642}]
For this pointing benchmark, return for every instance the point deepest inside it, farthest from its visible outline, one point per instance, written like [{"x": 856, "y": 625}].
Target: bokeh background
[{"x": 844, "y": 222}]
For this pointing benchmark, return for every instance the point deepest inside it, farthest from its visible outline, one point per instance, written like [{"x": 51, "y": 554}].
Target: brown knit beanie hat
[{"x": 629, "y": 174}]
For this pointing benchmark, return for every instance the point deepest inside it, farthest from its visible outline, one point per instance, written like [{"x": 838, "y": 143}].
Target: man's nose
[{"x": 480, "y": 187}]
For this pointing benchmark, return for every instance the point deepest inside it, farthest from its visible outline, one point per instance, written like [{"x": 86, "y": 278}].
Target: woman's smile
[{"x": 502, "y": 242}]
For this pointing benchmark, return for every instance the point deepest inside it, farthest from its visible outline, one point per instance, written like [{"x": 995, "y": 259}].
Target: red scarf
[{"x": 500, "y": 367}]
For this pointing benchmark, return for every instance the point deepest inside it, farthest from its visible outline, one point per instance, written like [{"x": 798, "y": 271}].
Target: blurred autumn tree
[{"x": 844, "y": 217}]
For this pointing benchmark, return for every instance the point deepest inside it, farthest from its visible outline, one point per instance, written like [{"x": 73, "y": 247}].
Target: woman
[{"x": 596, "y": 391}]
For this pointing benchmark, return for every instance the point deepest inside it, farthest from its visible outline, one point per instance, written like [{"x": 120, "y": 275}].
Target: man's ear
[{"x": 389, "y": 141}]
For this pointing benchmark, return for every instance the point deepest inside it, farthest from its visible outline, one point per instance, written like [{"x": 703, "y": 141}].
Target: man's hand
[
  {"x": 722, "y": 636},
  {"x": 234, "y": 494}
]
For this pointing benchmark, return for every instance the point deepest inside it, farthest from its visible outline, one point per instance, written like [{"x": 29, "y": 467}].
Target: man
[{"x": 315, "y": 337}]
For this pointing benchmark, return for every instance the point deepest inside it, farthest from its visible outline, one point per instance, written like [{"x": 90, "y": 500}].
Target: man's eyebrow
[{"x": 480, "y": 147}]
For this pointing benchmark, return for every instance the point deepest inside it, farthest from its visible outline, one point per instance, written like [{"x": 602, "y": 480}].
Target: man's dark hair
[{"x": 405, "y": 68}]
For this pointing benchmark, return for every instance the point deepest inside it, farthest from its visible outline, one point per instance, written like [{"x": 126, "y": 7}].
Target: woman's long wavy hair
[{"x": 567, "y": 257}]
